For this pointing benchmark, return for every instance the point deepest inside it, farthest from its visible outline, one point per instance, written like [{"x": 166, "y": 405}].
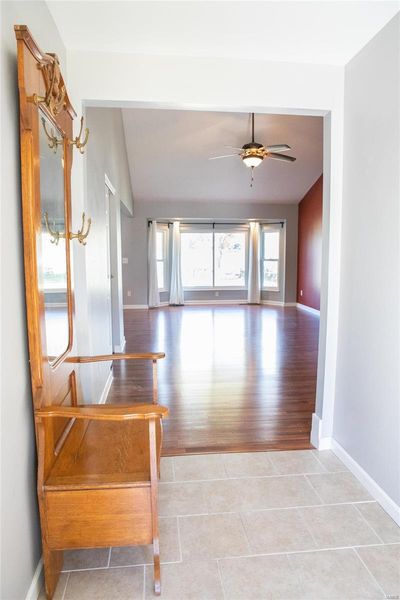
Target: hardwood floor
[{"x": 235, "y": 378}]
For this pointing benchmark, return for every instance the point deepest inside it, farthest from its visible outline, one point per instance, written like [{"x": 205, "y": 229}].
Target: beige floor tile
[
  {"x": 166, "y": 469},
  {"x": 258, "y": 493},
  {"x": 338, "y": 487},
  {"x": 197, "y": 580},
  {"x": 336, "y": 526},
  {"x": 258, "y": 577},
  {"x": 384, "y": 564},
  {"x": 89, "y": 558},
  {"x": 329, "y": 460},
  {"x": 59, "y": 593},
  {"x": 202, "y": 466},
  {"x": 106, "y": 584},
  {"x": 181, "y": 499},
  {"x": 212, "y": 536},
  {"x": 296, "y": 462},
  {"x": 333, "y": 575},
  {"x": 380, "y": 521},
  {"x": 277, "y": 531},
  {"x": 248, "y": 464},
  {"x": 141, "y": 555}
]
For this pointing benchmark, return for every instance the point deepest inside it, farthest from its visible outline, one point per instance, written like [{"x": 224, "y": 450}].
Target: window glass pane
[
  {"x": 53, "y": 269},
  {"x": 160, "y": 274},
  {"x": 196, "y": 259},
  {"x": 271, "y": 273},
  {"x": 230, "y": 258},
  {"x": 160, "y": 245},
  {"x": 271, "y": 244}
]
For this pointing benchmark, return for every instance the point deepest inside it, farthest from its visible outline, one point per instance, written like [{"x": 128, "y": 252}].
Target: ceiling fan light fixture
[{"x": 252, "y": 160}]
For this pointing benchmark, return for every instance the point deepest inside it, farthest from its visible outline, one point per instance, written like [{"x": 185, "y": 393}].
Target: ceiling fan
[{"x": 253, "y": 153}]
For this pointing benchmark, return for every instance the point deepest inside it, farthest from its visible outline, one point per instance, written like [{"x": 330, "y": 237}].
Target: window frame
[
  {"x": 269, "y": 228},
  {"x": 204, "y": 228},
  {"x": 164, "y": 229}
]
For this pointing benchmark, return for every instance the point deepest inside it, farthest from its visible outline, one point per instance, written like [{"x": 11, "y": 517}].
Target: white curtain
[
  {"x": 154, "y": 294},
  {"x": 176, "y": 295},
  {"x": 254, "y": 288}
]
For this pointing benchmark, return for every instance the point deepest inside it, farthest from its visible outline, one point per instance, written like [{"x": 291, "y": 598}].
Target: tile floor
[{"x": 268, "y": 525}]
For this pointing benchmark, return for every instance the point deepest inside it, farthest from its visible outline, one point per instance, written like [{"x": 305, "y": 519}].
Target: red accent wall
[{"x": 310, "y": 247}]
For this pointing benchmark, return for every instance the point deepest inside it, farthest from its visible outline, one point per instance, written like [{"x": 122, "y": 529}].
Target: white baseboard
[
  {"x": 370, "y": 484},
  {"x": 121, "y": 348},
  {"x": 328, "y": 443},
  {"x": 315, "y": 430},
  {"x": 277, "y": 303},
  {"x": 106, "y": 388},
  {"x": 36, "y": 583},
  {"x": 313, "y": 311},
  {"x": 321, "y": 443},
  {"x": 218, "y": 301},
  {"x": 135, "y": 306},
  {"x": 215, "y": 301}
]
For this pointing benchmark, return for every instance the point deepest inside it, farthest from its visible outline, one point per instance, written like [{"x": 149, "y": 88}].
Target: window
[
  {"x": 230, "y": 259},
  {"x": 53, "y": 264},
  {"x": 270, "y": 257},
  {"x": 162, "y": 240},
  {"x": 197, "y": 259},
  {"x": 214, "y": 259}
]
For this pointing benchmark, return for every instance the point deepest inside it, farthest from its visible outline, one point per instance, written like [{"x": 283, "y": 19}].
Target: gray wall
[
  {"x": 106, "y": 154},
  {"x": 20, "y": 536},
  {"x": 134, "y": 243},
  {"x": 367, "y": 417}
]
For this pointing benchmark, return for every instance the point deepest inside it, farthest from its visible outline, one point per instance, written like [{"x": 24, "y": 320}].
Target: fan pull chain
[{"x": 252, "y": 177}]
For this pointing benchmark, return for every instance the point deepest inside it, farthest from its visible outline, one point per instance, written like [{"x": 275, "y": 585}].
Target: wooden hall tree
[{"x": 98, "y": 465}]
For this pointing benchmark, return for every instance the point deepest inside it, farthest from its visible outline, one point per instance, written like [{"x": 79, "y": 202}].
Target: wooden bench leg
[
  {"x": 52, "y": 563},
  {"x": 154, "y": 507}
]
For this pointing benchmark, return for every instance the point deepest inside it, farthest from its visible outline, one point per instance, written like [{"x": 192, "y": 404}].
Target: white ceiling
[
  {"x": 168, "y": 152},
  {"x": 325, "y": 32}
]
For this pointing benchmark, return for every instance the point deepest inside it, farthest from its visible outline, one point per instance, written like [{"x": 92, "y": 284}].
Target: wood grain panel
[{"x": 74, "y": 518}]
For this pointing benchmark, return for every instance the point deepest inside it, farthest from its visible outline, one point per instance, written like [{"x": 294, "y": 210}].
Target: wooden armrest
[
  {"x": 106, "y": 357},
  {"x": 104, "y": 412}
]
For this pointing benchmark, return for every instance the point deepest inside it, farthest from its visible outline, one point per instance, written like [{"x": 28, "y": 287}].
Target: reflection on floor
[
  {"x": 281, "y": 525},
  {"x": 235, "y": 377}
]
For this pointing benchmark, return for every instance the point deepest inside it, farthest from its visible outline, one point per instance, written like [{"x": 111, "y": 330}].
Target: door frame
[
  {"x": 322, "y": 418},
  {"x": 117, "y": 325}
]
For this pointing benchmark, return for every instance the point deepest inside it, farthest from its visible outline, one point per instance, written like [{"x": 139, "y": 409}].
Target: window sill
[{"x": 270, "y": 290}]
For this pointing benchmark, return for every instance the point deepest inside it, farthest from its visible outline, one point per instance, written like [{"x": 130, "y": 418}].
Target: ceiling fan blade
[
  {"x": 280, "y": 157},
  {"x": 223, "y": 156},
  {"x": 234, "y": 148},
  {"x": 278, "y": 148}
]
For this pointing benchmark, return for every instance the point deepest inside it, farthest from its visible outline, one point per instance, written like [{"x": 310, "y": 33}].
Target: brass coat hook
[
  {"x": 55, "y": 235},
  {"x": 78, "y": 142},
  {"x": 80, "y": 235},
  {"x": 54, "y": 141}
]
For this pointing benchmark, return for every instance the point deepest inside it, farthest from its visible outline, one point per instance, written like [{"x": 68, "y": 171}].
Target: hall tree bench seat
[
  {"x": 101, "y": 488},
  {"x": 98, "y": 465}
]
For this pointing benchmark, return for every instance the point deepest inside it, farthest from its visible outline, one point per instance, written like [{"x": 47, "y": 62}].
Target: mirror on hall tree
[{"x": 53, "y": 268}]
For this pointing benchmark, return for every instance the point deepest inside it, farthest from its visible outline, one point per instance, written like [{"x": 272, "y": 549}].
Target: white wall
[
  {"x": 105, "y": 154},
  {"x": 134, "y": 244},
  {"x": 20, "y": 537},
  {"x": 367, "y": 407}
]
